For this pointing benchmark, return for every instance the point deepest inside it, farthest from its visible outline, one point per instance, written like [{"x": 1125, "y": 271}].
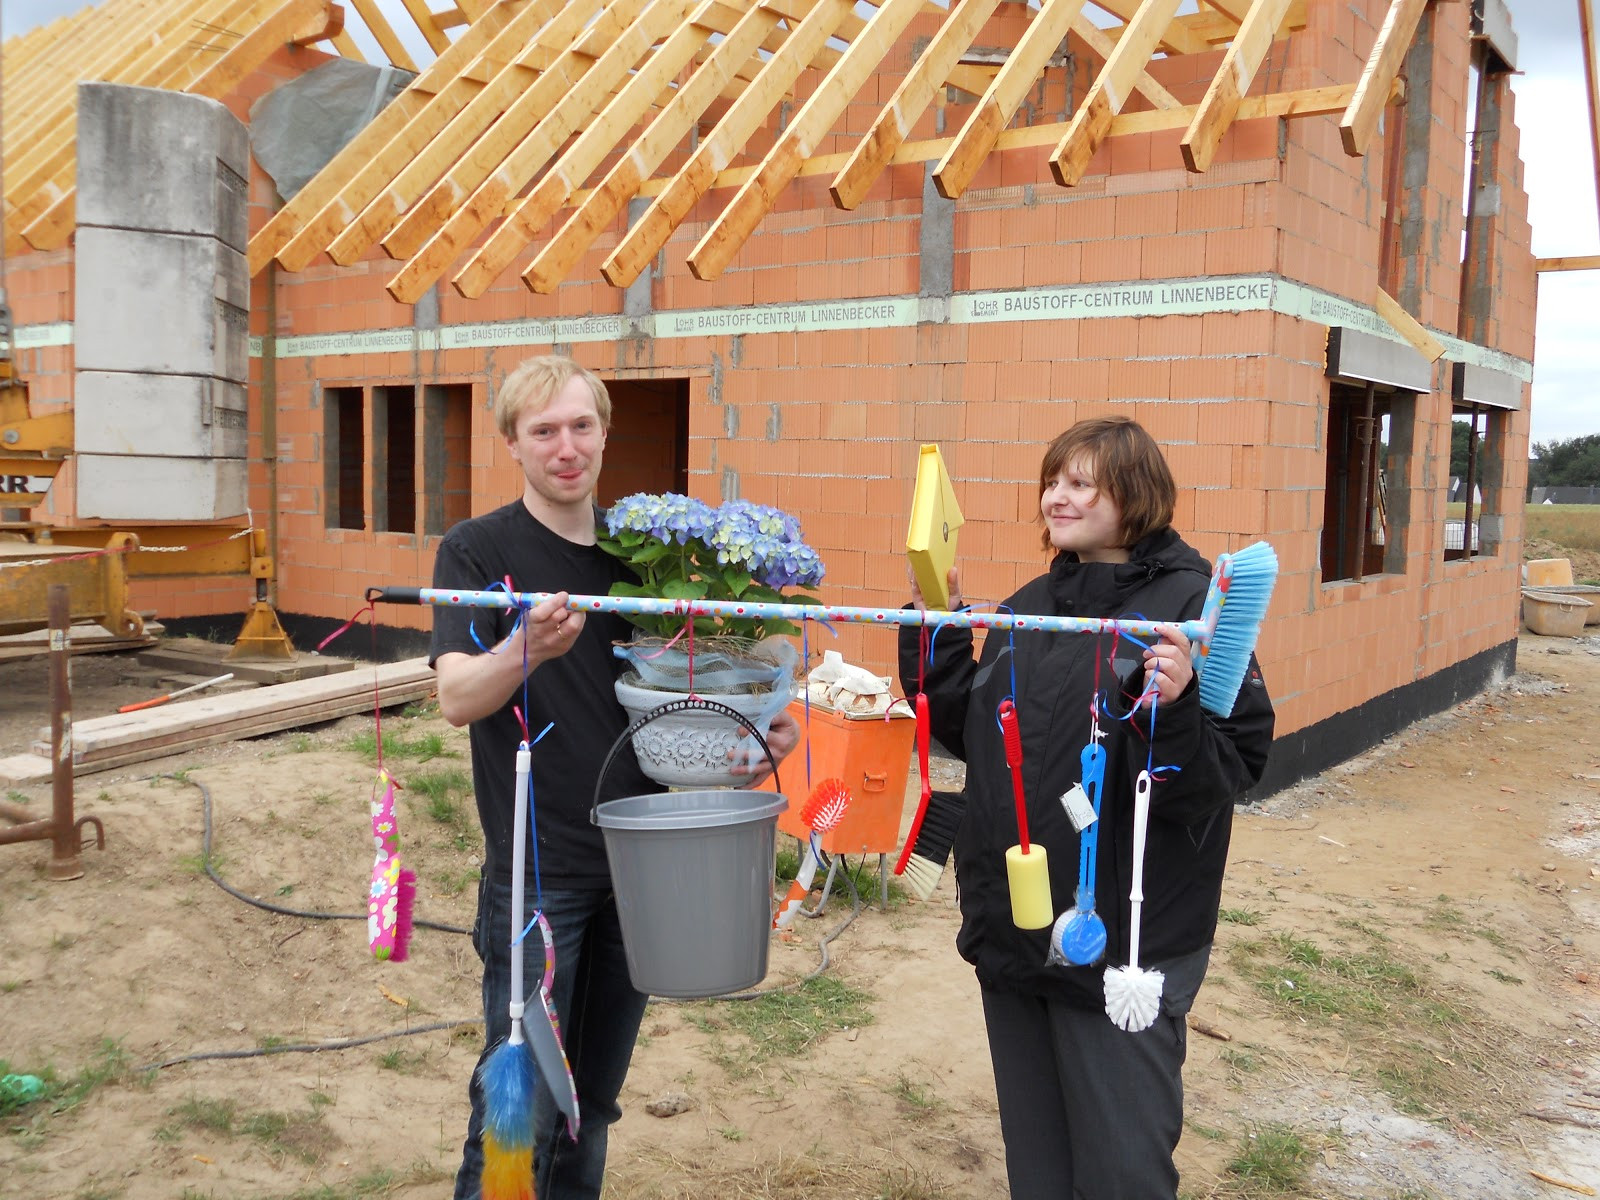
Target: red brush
[
  {"x": 924, "y": 735},
  {"x": 822, "y": 812}
]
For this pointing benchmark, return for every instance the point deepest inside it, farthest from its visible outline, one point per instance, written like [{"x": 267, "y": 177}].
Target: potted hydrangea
[{"x": 684, "y": 549}]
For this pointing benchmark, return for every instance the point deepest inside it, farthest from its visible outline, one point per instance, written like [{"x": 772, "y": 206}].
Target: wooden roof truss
[{"x": 205, "y": 47}]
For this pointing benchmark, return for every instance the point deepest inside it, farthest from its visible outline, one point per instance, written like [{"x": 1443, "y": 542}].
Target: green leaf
[
  {"x": 651, "y": 553},
  {"x": 684, "y": 589}
]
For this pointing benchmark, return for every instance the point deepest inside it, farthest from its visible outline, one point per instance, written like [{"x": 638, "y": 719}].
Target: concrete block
[
  {"x": 187, "y": 416},
  {"x": 125, "y": 487},
  {"x": 161, "y": 161},
  {"x": 170, "y": 304}
]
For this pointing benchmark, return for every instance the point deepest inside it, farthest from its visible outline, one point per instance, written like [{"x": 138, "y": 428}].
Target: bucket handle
[{"x": 688, "y": 704}]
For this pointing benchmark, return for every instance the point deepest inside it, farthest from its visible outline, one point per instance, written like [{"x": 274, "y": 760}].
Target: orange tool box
[{"x": 872, "y": 755}]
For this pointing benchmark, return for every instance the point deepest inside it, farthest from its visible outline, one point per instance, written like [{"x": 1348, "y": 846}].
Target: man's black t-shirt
[{"x": 573, "y": 691}]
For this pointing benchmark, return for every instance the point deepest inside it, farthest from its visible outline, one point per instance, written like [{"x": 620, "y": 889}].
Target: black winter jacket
[{"x": 1191, "y": 810}]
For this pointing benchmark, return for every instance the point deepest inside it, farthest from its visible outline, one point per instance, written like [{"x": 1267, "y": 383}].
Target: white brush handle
[
  {"x": 1141, "y": 821},
  {"x": 798, "y": 890},
  {"x": 519, "y": 861}
]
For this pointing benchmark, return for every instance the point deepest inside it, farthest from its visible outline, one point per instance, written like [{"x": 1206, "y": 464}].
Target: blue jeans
[{"x": 599, "y": 1012}]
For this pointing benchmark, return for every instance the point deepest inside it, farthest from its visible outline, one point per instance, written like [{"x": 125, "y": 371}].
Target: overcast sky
[{"x": 1552, "y": 114}]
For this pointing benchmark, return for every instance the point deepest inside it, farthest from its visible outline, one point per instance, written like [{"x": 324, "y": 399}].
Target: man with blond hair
[{"x": 556, "y": 666}]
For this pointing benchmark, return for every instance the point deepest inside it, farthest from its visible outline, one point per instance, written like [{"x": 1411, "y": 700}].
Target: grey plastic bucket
[{"x": 692, "y": 873}]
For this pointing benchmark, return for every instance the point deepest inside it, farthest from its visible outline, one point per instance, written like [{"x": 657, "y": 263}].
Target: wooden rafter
[
  {"x": 1360, "y": 120},
  {"x": 1586, "y": 262},
  {"x": 303, "y": 227},
  {"x": 651, "y": 231},
  {"x": 204, "y": 47},
  {"x": 1110, "y": 88},
  {"x": 531, "y": 154},
  {"x": 1103, "y": 45},
  {"x": 916, "y": 91},
  {"x": 739, "y": 220},
  {"x": 1176, "y": 38},
  {"x": 999, "y": 104},
  {"x": 603, "y": 204},
  {"x": 417, "y": 159},
  {"x": 1591, "y": 78},
  {"x": 1232, "y": 81},
  {"x": 585, "y": 154}
]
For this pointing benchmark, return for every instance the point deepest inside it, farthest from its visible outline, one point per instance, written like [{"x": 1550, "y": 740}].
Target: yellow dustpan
[{"x": 935, "y": 521}]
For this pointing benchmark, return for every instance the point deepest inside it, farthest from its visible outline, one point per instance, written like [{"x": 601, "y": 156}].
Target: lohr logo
[{"x": 23, "y": 485}]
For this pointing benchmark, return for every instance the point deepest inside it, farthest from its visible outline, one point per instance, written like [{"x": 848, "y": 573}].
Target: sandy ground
[{"x": 1408, "y": 980}]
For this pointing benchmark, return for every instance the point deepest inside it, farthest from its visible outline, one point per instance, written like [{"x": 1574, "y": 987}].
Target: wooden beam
[
  {"x": 1092, "y": 121},
  {"x": 1588, "y": 262},
  {"x": 346, "y": 46},
  {"x": 999, "y": 103},
  {"x": 1234, "y": 10},
  {"x": 52, "y": 229},
  {"x": 518, "y": 95},
  {"x": 1408, "y": 326},
  {"x": 664, "y": 134},
  {"x": 327, "y": 184},
  {"x": 729, "y": 136},
  {"x": 1383, "y": 65},
  {"x": 1591, "y": 77},
  {"x": 319, "y": 26},
  {"x": 427, "y": 26},
  {"x": 1177, "y": 38},
  {"x": 383, "y": 33},
  {"x": 526, "y": 157},
  {"x": 916, "y": 91},
  {"x": 1147, "y": 86},
  {"x": 597, "y": 140},
  {"x": 1231, "y": 82},
  {"x": 811, "y": 124}
]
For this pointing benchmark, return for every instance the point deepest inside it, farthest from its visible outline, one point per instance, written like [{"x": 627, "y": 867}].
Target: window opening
[
  {"x": 1472, "y": 522},
  {"x": 1366, "y": 501},
  {"x": 344, "y": 457},
  {"x": 446, "y": 456},
  {"x": 394, "y": 465}
]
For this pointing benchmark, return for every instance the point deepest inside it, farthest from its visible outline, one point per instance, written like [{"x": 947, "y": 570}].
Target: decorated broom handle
[{"x": 1199, "y": 631}]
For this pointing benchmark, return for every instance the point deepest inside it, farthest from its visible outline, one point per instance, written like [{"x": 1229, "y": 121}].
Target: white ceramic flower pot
[{"x": 688, "y": 749}]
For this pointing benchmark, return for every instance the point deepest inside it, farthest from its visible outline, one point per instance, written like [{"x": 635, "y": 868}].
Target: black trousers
[{"x": 1088, "y": 1111}]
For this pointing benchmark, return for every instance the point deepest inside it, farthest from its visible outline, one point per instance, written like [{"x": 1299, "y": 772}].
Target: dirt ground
[{"x": 1404, "y": 1000}]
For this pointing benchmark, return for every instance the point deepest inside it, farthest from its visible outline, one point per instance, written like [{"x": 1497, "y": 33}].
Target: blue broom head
[
  {"x": 1254, "y": 572},
  {"x": 508, "y": 1078}
]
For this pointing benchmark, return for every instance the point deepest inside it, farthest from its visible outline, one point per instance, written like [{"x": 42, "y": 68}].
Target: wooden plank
[
  {"x": 121, "y": 729},
  {"x": 725, "y": 140},
  {"x": 1234, "y": 10},
  {"x": 427, "y": 26},
  {"x": 810, "y": 125},
  {"x": 302, "y": 229},
  {"x": 1408, "y": 326},
  {"x": 447, "y": 168},
  {"x": 1145, "y": 84},
  {"x": 569, "y": 172},
  {"x": 1231, "y": 82},
  {"x": 1587, "y": 262},
  {"x": 600, "y": 208},
  {"x": 346, "y": 46},
  {"x": 1360, "y": 120},
  {"x": 1092, "y": 122},
  {"x": 383, "y": 33},
  {"x": 999, "y": 104},
  {"x": 1591, "y": 77},
  {"x": 526, "y": 157},
  {"x": 916, "y": 91},
  {"x": 1177, "y": 38}
]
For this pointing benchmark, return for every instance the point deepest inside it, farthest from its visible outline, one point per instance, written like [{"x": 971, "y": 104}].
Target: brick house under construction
[{"x": 800, "y": 238}]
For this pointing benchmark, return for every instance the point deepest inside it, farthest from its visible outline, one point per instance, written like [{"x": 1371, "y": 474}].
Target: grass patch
[
  {"x": 444, "y": 794},
  {"x": 1274, "y": 1160},
  {"x": 1239, "y": 916},
  {"x": 860, "y": 874},
  {"x": 1573, "y": 525},
  {"x": 298, "y": 1134},
  {"x": 780, "y": 1024},
  {"x": 1404, "y": 1032},
  {"x": 421, "y": 747}
]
